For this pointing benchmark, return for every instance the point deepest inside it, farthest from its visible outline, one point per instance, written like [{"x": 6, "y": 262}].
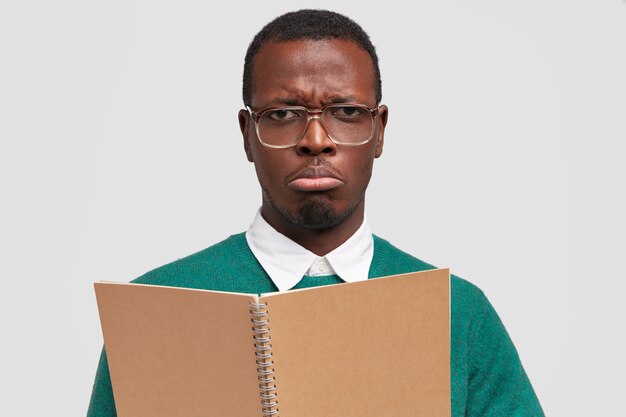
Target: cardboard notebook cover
[{"x": 379, "y": 347}]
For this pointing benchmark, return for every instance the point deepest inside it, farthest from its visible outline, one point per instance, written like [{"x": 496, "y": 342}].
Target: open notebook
[{"x": 379, "y": 347}]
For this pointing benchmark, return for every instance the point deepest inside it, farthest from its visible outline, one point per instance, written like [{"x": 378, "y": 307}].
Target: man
[{"x": 312, "y": 126}]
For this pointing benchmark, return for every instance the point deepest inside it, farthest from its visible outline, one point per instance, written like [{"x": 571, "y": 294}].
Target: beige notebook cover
[{"x": 380, "y": 347}]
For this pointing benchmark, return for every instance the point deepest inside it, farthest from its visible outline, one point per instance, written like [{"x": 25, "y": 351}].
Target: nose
[{"x": 315, "y": 140}]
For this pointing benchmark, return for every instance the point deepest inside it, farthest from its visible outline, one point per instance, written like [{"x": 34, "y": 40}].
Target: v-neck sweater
[{"x": 487, "y": 377}]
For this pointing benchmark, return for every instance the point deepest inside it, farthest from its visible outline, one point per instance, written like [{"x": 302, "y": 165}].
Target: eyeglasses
[{"x": 345, "y": 124}]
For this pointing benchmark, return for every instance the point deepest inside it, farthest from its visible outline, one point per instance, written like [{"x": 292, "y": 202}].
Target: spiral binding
[{"x": 264, "y": 362}]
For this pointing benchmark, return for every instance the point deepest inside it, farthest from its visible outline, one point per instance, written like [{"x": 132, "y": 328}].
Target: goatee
[{"x": 314, "y": 214}]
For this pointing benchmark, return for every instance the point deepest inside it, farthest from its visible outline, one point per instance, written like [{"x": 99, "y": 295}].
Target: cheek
[
  {"x": 364, "y": 176},
  {"x": 265, "y": 175},
  {"x": 361, "y": 167},
  {"x": 270, "y": 166}
]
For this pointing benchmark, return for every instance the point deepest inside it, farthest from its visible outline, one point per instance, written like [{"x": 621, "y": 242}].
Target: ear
[
  {"x": 383, "y": 114},
  {"x": 244, "y": 125}
]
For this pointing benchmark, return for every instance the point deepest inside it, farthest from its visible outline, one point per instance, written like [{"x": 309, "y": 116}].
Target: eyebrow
[
  {"x": 342, "y": 99},
  {"x": 286, "y": 101},
  {"x": 297, "y": 102}
]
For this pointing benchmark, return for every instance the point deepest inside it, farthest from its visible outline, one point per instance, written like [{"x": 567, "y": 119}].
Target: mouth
[{"x": 315, "y": 178}]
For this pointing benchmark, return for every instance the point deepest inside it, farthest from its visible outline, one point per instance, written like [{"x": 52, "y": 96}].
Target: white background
[{"x": 120, "y": 152}]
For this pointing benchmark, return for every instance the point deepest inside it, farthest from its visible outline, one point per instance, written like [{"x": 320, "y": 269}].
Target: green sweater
[{"x": 487, "y": 378}]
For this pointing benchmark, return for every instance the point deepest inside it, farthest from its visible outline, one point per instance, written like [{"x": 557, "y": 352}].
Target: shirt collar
[{"x": 286, "y": 262}]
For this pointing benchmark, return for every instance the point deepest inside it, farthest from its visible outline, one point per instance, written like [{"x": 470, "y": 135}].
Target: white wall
[{"x": 120, "y": 152}]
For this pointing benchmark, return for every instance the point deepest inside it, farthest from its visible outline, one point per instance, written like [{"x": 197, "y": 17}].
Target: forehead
[{"x": 312, "y": 72}]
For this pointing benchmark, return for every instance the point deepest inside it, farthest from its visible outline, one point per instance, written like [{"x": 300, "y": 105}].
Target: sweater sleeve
[
  {"x": 497, "y": 383},
  {"x": 102, "y": 403}
]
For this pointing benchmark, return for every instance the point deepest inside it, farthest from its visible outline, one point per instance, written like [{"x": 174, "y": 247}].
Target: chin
[
  {"x": 314, "y": 214},
  {"x": 319, "y": 216}
]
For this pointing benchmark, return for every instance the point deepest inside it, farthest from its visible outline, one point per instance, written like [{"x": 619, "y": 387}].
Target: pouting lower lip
[
  {"x": 315, "y": 183},
  {"x": 316, "y": 171}
]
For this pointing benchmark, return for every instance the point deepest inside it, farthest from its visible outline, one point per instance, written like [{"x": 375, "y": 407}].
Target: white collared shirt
[{"x": 286, "y": 262}]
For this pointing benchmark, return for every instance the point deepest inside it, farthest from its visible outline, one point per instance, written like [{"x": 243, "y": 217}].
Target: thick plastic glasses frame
[{"x": 314, "y": 114}]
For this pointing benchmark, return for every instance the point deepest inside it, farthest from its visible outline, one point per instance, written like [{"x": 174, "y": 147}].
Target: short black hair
[{"x": 309, "y": 24}]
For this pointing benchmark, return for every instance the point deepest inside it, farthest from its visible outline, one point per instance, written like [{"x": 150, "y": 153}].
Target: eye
[
  {"x": 348, "y": 112},
  {"x": 280, "y": 115}
]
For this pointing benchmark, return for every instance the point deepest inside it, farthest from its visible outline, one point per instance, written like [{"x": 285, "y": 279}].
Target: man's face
[{"x": 315, "y": 184}]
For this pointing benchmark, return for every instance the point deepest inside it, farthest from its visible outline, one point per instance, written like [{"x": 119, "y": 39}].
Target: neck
[{"x": 320, "y": 242}]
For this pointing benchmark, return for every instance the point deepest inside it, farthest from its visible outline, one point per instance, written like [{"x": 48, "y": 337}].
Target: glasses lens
[
  {"x": 282, "y": 127},
  {"x": 348, "y": 124}
]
